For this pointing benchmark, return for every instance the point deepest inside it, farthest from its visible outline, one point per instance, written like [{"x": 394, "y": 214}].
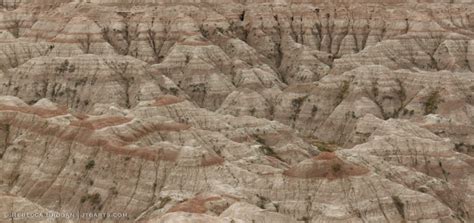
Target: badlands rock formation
[{"x": 237, "y": 111}]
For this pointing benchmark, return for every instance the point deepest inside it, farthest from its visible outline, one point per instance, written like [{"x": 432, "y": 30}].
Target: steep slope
[{"x": 238, "y": 111}]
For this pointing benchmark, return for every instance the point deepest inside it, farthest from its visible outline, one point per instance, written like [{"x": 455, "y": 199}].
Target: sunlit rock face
[{"x": 238, "y": 111}]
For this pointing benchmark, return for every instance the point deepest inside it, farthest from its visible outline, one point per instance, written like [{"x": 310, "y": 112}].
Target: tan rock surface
[{"x": 238, "y": 111}]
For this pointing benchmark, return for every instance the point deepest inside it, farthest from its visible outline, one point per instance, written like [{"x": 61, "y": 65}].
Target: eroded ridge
[{"x": 238, "y": 111}]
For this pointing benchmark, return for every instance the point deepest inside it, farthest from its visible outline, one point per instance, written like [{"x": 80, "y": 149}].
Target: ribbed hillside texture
[{"x": 269, "y": 111}]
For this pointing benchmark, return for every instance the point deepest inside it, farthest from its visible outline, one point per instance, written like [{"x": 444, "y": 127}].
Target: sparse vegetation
[
  {"x": 267, "y": 150},
  {"x": 431, "y": 104},
  {"x": 121, "y": 39},
  {"x": 204, "y": 32},
  {"x": 302, "y": 66},
  {"x": 423, "y": 189},
  {"x": 94, "y": 199},
  {"x": 296, "y": 104},
  {"x": 262, "y": 201},
  {"x": 220, "y": 29},
  {"x": 155, "y": 41},
  {"x": 399, "y": 205},
  {"x": 242, "y": 16},
  {"x": 402, "y": 96},
  {"x": 401, "y": 92},
  {"x": 174, "y": 91},
  {"x": 405, "y": 111},
  {"x": 343, "y": 90},
  {"x": 201, "y": 87},
  {"x": 65, "y": 66},
  {"x": 14, "y": 177},
  {"x": 8, "y": 5},
  {"x": 323, "y": 146},
  {"x": 253, "y": 111},
  {"x": 375, "y": 89},
  {"x": 443, "y": 171},
  {"x": 314, "y": 110},
  {"x": 305, "y": 219},
  {"x": 259, "y": 139},
  {"x": 114, "y": 191},
  {"x": 85, "y": 43},
  {"x": 374, "y": 96},
  {"x": 164, "y": 201},
  {"x": 336, "y": 167},
  {"x": 6, "y": 141},
  {"x": 90, "y": 164},
  {"x": 430, "y": 45},
  {"x": 14, "y": 27},
  {"x": 121, "y": 70}
]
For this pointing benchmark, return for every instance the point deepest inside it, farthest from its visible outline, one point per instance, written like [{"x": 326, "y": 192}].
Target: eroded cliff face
[{"x": 238, "y": 111}]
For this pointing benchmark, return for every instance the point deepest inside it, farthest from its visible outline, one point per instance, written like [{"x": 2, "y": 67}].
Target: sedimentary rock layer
[{"x": 238, "y": 111}]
